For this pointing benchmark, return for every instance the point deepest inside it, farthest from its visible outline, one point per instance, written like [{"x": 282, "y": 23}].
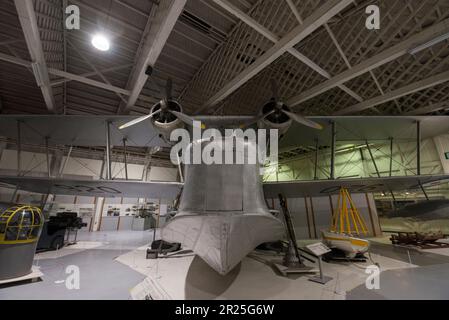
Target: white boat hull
[{"x": 351, "y": 246}]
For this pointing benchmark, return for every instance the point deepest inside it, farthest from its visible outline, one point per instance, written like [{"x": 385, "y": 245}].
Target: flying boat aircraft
[{"x": 222, "y": 212}]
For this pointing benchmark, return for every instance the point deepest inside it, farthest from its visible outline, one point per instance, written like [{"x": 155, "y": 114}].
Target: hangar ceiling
[{"x": 221, "y": 55}]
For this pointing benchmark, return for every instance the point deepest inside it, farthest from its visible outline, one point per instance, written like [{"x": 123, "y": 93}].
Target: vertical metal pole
[
  {"x": 102, "y": 168},
  {"x": 320, "y": 266},
  {"x": 126, "y": 160},
  {"x": 19, "y": 148},
  {"x": 47, "y": 157},
  {"x": 334, "y": 138},
  {"x": 391, "y": 171},
  {"x": 391, "y": 157},
  {"x": 315, "y": 168},
  {"x": 418, "y": 147},
  {"x": 372, "y": 158},
  {"x": 108, "y": 151},
  {"x": 181, "y": 177}
]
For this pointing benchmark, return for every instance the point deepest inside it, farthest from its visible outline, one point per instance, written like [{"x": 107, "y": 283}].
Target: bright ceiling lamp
[{"x": 100, "y": 42}]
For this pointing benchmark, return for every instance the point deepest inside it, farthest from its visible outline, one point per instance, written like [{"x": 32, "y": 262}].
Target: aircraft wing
[
  {"x": 94, "y": 188},
  {"x": 357, "y": 129},
  {"x": 295, "y": 189},
  {"x": 79, "y": 130}
]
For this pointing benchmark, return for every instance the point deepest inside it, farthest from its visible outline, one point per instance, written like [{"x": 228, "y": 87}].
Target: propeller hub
[
  {"x": 165, "y": 117},
  {"x": 277, "y": 116}
]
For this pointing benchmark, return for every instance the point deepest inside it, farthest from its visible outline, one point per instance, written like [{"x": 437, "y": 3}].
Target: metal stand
[
  {"x": 292, "y": 262},
  {"x": 322, "y": 278}
]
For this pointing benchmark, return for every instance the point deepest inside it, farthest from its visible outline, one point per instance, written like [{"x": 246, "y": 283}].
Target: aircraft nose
[{"x": 222, "y": 241}]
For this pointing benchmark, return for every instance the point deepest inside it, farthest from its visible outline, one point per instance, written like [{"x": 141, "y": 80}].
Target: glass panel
[
  {"x": 15, "y": 219},
  {"x": 11, "y": 233},
  {"x": 37, "y": 218},
  {"x": 35, "y": 232},
  {"x": 24, "y": 233},
  {"x": 27, "y": 218}
]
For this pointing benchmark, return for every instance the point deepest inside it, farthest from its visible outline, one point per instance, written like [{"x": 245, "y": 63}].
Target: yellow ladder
[{"x": 347, "y": 216}]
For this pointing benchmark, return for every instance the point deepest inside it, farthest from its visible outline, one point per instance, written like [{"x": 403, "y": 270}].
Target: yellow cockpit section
[{"x": 20, "y": 224}]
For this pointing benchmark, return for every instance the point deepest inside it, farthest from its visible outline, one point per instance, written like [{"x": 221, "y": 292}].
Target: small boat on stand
[{"x": 346, "y": 228}]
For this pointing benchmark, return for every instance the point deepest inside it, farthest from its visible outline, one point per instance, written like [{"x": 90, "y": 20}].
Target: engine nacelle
[
  {"x": 276, "y": 120},
  {"x": 166, "y": 122}
]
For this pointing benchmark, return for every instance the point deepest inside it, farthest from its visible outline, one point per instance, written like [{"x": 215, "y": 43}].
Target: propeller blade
[
  {"x": 256, "y": 119},
  {"x": 140, "y": 119},
  {"x": 184, "y": 118},
  {"x": 300, "y": 119}
]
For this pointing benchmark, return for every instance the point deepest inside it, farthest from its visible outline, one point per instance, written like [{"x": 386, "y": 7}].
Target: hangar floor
[
  {"x": 112, "y": 263},
  {"x": 101, "y": 277}
]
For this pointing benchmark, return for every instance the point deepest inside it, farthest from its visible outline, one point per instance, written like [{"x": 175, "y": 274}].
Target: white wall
[
  {"x": 350, "y": 164},
  {"x": 82, "y": 167},
  {"x": 30, "y": 162},
  {"x": 163, "y": 174}
]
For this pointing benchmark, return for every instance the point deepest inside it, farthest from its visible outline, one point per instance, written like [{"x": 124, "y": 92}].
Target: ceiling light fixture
[{"x": 100, "y": 42}]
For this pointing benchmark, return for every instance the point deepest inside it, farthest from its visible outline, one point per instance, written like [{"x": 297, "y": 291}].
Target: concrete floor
[
  {"x": 101, "y": 277},
  {"x": 429, "y": 280},
  {"x": 112, "y": 263}
]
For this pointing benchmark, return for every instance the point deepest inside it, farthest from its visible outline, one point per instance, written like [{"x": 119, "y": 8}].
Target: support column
[
  {"x": 99, "y": 205},
  {"x": 374, "y": 217},
  {"x": 108, "y": 151},
  {"x": 333, "y": 142},
  {"x": 125, "y": 158},
  {"x": 391, "y": 157},
  {"x": 181, "y": 177},
  {"x": 372, "y": 158},
  {"x": 418, "y": 148},
  {"x": 19, "y": 147},
  {"x": 311, "y": 217},
  {"x": 103, "y": 163},
  {"x": 315, "y": 167},
  {"x": 47, "y": 155}
]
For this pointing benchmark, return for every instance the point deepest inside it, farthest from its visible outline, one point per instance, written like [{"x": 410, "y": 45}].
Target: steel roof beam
[
  {"x": 312, "y": 23},
  {"x": 74, "y": 77},
  {"x": 27, "y": 17},
  {"x": 429, "y": 109},
  {"x": 406, "y": 90},
  {"x": 162, "y": 25},
  {"x": 380, "y": 59},
  {"x": 93, "y": 73},
  {"x": 274, "y": 38}
]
